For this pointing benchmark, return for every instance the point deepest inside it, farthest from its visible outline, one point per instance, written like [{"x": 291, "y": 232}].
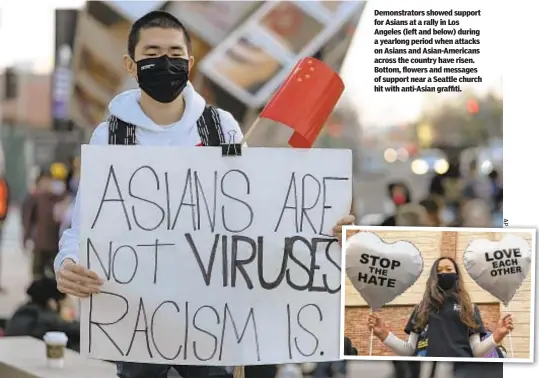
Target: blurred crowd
[{"x": 454, "y": 200}]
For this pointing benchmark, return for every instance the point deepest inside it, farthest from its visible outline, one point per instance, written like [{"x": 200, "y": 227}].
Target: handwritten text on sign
[{"x": 210, "y": 259}]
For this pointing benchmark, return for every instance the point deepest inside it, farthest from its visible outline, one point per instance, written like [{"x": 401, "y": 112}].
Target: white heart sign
[
  {"x": 499, "y": 267},
  {"x": 381, "y": 271}
]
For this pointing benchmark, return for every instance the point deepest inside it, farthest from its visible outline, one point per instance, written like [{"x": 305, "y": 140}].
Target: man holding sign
[{"x": 166, "y": 111}]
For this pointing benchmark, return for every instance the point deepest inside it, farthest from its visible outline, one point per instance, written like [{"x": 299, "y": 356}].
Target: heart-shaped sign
[
  {"x": 499, "y": 267},
  {"x": 381, "y": 271}
]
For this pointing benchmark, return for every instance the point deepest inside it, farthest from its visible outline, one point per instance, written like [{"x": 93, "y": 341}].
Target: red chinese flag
[{"x": 305, "y": 101}]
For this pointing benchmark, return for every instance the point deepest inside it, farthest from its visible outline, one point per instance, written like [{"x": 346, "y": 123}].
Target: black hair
[
  {"x": 434, "y": 298},
  {"x": 430, "y": 205},
  {"x": 43, "y": 289},
  {"x": 155, "y": 19}
]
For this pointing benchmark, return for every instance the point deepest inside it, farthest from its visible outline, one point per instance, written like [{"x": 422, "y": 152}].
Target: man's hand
[
  {"x": 346, "y": 221},
  {"x": 76, "y": 280}
]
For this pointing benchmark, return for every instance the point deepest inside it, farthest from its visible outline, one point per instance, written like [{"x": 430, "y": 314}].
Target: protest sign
[
  {"x": 381, "y": 271},
  {"x": 499, "y": 267},
  {"x": 211, "y": 259}
]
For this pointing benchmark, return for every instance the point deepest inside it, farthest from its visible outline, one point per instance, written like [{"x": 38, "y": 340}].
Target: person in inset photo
[{"x": 445, "y": 323}]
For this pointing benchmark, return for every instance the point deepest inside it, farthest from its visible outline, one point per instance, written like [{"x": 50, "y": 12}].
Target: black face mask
[
  {"x": 447, "y": 281},
  {"x": 163, "y": 78}
]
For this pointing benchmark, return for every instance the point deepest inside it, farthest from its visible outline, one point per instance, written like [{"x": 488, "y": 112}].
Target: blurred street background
[{"x": 419, "y": 159}]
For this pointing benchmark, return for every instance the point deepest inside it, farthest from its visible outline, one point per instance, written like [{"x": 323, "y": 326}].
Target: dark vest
[{"x": 208, "y": 125}]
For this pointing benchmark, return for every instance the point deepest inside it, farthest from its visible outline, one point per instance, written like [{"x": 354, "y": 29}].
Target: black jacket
[{"x": 33, "y": 320}]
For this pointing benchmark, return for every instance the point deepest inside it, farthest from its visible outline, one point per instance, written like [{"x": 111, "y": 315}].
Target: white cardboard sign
[{"x": 211, "y": 259}]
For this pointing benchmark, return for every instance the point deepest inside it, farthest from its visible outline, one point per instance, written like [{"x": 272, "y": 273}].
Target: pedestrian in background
[
  {"x": 476, "y": 185},
  {"x": 399, "y": 194},
  {"x": 42, "y": 314},
  {"x": 432, "y": 207},
  {"x": 452, "y": 186},
  {"x": 411, "y": 215},
  {"x": 476, "y": 213},
  {"x": 39, "y": 224},
  {"x": 28, "y": 224},
  {"x": 63, "y": 211}
]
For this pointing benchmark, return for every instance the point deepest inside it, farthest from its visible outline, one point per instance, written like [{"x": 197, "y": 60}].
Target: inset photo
[{"x": 441, "y": 294}]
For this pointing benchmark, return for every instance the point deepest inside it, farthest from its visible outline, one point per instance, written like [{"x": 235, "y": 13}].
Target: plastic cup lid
[{"x": 55, "y": 337}]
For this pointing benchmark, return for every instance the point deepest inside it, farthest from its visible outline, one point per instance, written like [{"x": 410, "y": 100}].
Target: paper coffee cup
[{"x": 56, "y": 344}]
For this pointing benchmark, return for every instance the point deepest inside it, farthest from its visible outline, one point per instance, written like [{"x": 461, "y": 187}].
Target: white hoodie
[{"x": 183, "y": 133}]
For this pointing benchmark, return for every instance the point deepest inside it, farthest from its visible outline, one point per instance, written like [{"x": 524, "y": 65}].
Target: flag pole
[{"x": 251, "y": 129}]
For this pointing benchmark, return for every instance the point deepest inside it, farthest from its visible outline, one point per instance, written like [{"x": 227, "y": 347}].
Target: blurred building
[
  {"x": 102, "y": 34},
  {"x": 49, "y": 116},
  {"x": 468, "y": 122},
  {"x": 36, "y": 128},
  {"x": 396, "y": 314},
  {"x": 24, "y": 109},
  {"x": 268, "y": 36},
  {"x": 66, "y": 23},
  {"x": 26, "y": 98}
]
